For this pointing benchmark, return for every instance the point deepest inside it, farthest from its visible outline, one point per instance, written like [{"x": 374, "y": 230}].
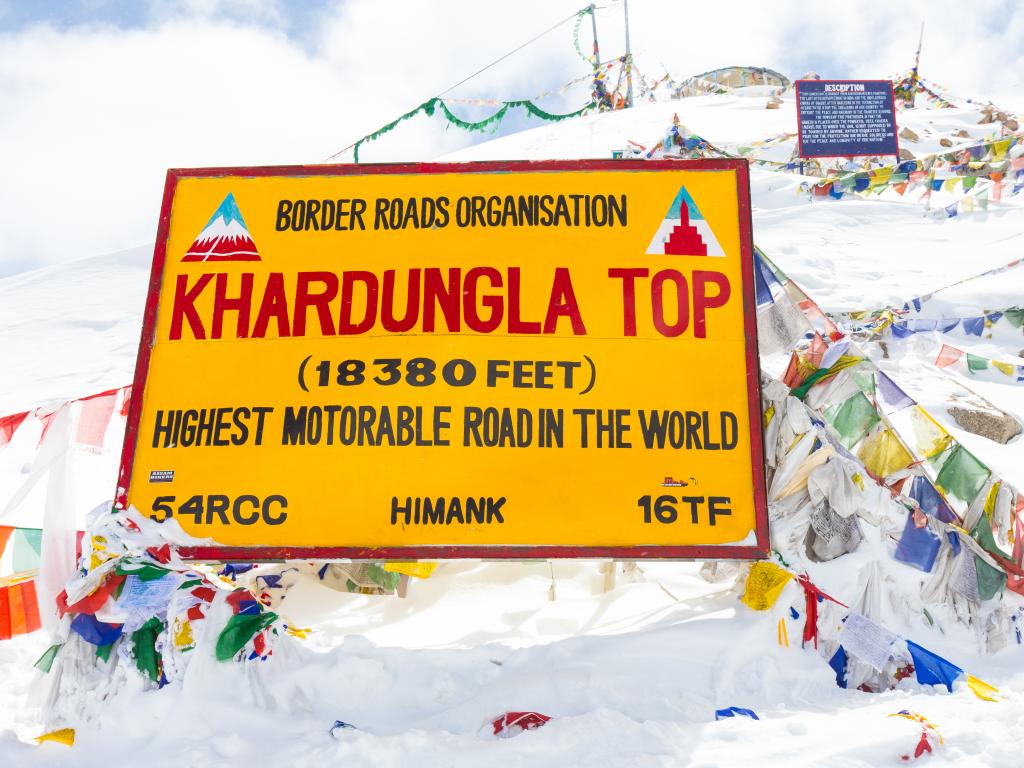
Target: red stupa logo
[
  {"x": 225, "y": 237},
  {"x": 684, "y": 232}
]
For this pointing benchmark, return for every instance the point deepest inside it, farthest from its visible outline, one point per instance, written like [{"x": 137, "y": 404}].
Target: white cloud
[{"x": 91, "y": 117}]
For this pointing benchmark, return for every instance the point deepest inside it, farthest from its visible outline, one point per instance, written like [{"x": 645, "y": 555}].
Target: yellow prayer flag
[
  {"x": 183, "y": 633},
  {"x": 990, "y": 500},
  {"x": 1005, "y": 368},
  {"x": 880, "y": 176},
  {"x": 1000, "y": 148},
  {"x": 950, "y": 184},
  {"x": 64, "y": 736},
  {"x": 764, "y": 585},
  {"x": 769, "y": 414},
  {"x": 982, "y": 690},
  {"x": 418, "y": 570},
  {"x": 929, "y": 437},
  {"x": 884, "y": 454}
]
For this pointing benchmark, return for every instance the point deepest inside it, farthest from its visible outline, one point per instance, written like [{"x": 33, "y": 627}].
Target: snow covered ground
[{"x": 631, "y": 676}]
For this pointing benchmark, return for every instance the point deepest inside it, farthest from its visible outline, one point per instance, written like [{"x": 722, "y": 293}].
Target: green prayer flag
[
  {"x": 28, "y": 543},
  {"x": 386, "y": 579},
  {"x": 45, "y": 661},
  {"x": 103, "y": 651},
  {"x": 845, "y": 361},
  {"x": 970, "y": 181},
  {"x": 982, "y": 534},
  {"x": 865, "y": 381},
  {"x": 962, "y": 475},
  {"x": 190, "y": 583},
  {"x": 975, "y": 363},
  {"x": 240, "y": 630},
  {"x": 1015, "y": 315},
  {"x": 852, "y": 419},
  {"x": 144, "y": 571},
  {"x": 144, "y": 640},
  {"x": 990, "y": 580}
]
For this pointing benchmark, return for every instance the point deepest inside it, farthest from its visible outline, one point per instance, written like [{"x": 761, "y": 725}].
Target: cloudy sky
[{"x": 99, "y": 97}]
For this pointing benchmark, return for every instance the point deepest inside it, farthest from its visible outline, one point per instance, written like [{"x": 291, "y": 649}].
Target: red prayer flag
[
  {"x": 90, "y": 603},
  {"x": 94, "y": 419},
  {"x": 791, "y": 378},
  {"x": 947, "y": 356},
  {"x": 19, "y": 609},
  {"x": 817, "y": 350},
  {"x": 30, "y": 605},
  {"x": 127, "y": 402},
  {"x": 9, "y": 424},
  {"x": 5, "y": 615}
]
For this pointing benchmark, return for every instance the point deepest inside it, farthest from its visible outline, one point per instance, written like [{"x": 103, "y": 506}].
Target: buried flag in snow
[
  {"x": 684, "y": 232},
  {"x": 341, "y": 725},
  {"x": 722, "y": 714},
  {"x": 513, "y": 723},
  {"x": 225, "y": 237}
]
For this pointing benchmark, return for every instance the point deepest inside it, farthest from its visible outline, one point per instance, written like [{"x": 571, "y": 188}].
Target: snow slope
[
  {"x": 632, "y": 676},
  {"x": 72, "y": 330}
]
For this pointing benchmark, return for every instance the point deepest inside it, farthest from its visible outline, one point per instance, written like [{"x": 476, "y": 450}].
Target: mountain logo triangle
[
  {"x": 684, "y": 232},
  {"x": 225, "y": 237}
]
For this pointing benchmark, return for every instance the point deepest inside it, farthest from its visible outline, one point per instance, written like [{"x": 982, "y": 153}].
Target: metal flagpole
[
  {"x": 629, "y": 59},
  {"x": 597, "y": 51},
  {"x": 917, "y": 58}
]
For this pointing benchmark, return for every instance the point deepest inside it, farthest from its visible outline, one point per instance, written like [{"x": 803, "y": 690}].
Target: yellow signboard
[{"x": 481, "y": 360}]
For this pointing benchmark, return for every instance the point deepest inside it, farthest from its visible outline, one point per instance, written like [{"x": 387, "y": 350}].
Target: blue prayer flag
[
  {"x": 932, "y": 669},
  {"x": 931, "y": 501},
  {"x": 917, "y": 546},
  {"x": 94, "y": 631},
  {"x": 894, "y": 398},
  {"x": 721, "y": 714},
  {"x": 973, "y": 325},
  {"x": 838, "y": 663}
]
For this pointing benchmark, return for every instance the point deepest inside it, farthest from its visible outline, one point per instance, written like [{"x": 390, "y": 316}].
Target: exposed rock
[
  {"x": 908, "y": 135},
  {"x": 988, "y": 422},
  {"x": 944, "y": 142},
  {"x": 905, "y": 154},
  {"x": 1011, "y": 124},
  {"x": 963, "y": 134}
]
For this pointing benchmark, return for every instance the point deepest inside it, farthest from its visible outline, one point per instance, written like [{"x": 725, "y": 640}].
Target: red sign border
[
  {"x": 799, "y": 122},
  {"x": 222, "y": 553}
]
